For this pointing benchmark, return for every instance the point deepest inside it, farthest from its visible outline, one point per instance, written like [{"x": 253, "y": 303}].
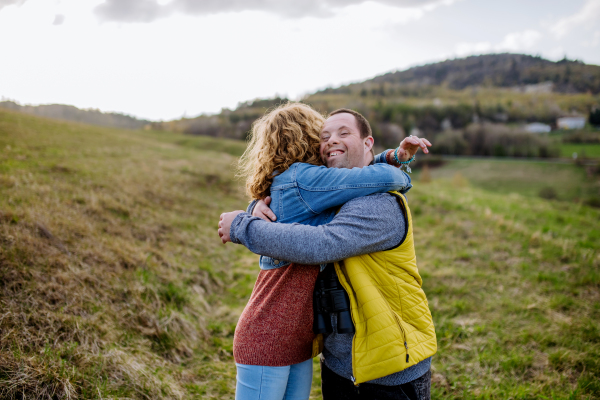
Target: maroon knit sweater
[{"x": 275, "y": 328}]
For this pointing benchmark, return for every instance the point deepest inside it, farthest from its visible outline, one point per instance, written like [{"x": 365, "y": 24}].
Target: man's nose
[{"x": 334, "y": 139}]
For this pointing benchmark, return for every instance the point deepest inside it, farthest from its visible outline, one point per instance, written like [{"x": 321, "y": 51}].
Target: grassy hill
[
  {"x": 71, "y": 113},
  {"x": 114, "y": 284},
  {"x": 493, "y": 70}
]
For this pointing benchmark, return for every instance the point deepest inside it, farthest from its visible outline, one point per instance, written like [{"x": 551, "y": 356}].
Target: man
[{"x": 389, "y": 355}]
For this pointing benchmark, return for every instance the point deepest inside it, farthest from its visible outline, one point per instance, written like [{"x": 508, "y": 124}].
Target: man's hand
[
  {"x": 225, "y": 224},
  {"x": 262, "y": 210},
  {"x": 410, "y": 145}
]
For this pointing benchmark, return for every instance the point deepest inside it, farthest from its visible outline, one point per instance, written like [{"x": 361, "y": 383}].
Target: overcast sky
[{"x": 161, "y": 59}]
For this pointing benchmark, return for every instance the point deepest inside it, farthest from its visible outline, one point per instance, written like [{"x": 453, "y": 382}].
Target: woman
[{"x": 274, "y": 341}]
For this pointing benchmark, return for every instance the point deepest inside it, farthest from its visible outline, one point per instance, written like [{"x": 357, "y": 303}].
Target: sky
[{"x": 164, "y": 59}]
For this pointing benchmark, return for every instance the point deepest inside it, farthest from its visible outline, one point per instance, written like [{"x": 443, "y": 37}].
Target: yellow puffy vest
[{"x": 394, "y": 328}]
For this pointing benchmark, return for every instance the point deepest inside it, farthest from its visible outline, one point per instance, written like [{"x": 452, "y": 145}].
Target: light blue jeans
[{"x": 256, "y": 382}]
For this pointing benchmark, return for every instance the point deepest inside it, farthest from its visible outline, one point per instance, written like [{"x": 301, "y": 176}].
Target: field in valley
[{"x": 114, "y": 283}]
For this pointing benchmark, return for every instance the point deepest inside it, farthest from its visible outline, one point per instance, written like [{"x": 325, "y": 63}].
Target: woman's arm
[{"x": 322, "y": 188}]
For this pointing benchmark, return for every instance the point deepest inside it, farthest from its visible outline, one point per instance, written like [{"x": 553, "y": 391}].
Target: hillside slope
[
  {"x": 111, "y": 273},
  {"x": 114, "y": 284},
  {"x": 71, "y": 113},
  {"x": 495, "y": 70}
]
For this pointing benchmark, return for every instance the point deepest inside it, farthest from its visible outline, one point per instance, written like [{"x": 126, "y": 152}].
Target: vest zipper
[
  {"x": 397, "y": 323},
  {"x": 403, "y": 334}
]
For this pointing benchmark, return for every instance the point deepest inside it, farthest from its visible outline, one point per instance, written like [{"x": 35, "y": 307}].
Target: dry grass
[{"x": 110, "y": 269}]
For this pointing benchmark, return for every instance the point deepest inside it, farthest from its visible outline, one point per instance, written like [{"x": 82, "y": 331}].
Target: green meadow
[
  {"x": 564, "y": 181},
  {"x": 590, "y": 150},
  {"x": 114, "y": 283}
]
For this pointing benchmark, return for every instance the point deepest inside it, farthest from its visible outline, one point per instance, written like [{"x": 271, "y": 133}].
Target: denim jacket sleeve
[
  {"x": 322, "y": 188},
  {"x": 380, "y": 158}
]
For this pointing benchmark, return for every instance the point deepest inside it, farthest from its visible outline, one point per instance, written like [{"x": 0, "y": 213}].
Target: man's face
[{"x": 341, "y": 144}]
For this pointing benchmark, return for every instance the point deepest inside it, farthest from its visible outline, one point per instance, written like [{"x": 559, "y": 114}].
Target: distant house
[
  {"x": 538, "y": 127},
  {"x": 570, "y": 123}
]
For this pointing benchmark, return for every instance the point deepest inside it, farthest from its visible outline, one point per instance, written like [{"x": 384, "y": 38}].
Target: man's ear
[{"x": 369, "y": 141}]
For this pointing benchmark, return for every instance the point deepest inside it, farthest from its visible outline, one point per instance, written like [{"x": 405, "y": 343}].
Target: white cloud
[
  {"x": 556, "y": 53},
  {"x": 4, "y": 3},
  {"x": 59, "y": 19},
  {"x": 518, "y": 41},
  {"x": 151, "y": 10},
  {"x": 593, "y": 41},
  {"x": 589, "y": 15},
  {"x": 515, "y": 41},
  {"x": 464, "y": 48}
]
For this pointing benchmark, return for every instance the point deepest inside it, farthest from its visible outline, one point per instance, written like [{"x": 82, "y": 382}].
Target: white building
[
  {"x": 538, "y": 127},
  {"x": 570, "y": 123}
]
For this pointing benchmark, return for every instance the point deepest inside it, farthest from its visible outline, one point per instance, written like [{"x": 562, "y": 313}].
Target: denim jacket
[{"x": 310, "y": 195}]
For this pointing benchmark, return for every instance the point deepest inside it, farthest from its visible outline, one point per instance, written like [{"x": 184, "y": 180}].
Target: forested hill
[
  {"x": 71, "y": 113},
  {"x": 493, "y": 70},
  {"x": 498, "y": 88}
]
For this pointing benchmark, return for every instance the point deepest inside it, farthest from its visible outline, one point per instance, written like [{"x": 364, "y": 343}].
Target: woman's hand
[
  {"x": 410, "y": 145},
  {"x": 262, "y": 210},
  {"x": 225, "y": 224}
]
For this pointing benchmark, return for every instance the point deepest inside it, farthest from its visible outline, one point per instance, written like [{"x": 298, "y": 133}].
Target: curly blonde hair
[{"x": 288, "y": 134}]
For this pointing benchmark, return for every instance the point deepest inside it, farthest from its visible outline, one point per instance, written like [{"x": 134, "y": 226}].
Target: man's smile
[{"x": 334, "y": 153}]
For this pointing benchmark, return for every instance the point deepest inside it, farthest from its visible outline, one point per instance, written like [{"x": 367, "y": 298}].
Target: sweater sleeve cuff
[
  {"x": 236, "y": 224},
  {"x": 382, "y": 158}
]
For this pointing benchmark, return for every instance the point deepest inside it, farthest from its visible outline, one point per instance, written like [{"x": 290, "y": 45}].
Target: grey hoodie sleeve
[{"x": 363, "y": 225}]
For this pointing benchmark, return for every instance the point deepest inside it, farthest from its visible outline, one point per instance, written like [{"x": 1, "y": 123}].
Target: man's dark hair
[{"x": 363, "y": 125}]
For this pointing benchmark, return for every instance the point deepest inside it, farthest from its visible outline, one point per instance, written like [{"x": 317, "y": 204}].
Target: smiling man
[
  {"x": 385, "y": 348},
  {"x": 342, "y": 139}
]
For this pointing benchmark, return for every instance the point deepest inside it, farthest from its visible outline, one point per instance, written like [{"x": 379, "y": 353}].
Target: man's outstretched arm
[{"x": 363, "y": 225}]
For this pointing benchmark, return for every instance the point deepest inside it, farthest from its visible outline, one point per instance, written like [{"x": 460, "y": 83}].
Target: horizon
[
  {"x": 184, "y": 58},
  {"x": 298, "y": 99},
  {"x": 2, "y": 98}
]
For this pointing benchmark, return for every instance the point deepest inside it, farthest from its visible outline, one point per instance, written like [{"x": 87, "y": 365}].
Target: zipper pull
[{"x": 406, "y": 345}]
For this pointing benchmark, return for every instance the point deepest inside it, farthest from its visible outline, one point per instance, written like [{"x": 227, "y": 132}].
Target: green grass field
[
  {"x": 568, "y": 181},
  {"x": 114, "y": 283},
  {"x": 589, "y": 150}
]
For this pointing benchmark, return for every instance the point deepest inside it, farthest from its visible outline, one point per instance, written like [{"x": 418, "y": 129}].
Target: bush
[
  {"x": 582, "y": 137},
  {"x": 450, "y": 142},
  {"x": 499, "y": 140},
  {"x": 496, "y": 140},
  {"x": 548, "y": 193}
]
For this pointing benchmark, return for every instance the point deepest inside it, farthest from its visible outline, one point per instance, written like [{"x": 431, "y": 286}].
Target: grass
[
  {"x": 513, "y": 284},
  {"x": 111, "y": 273},
  {"x": 590, "y": 150},
  {"x": 528, "y": 178},
  {"x": 114, "y": 284}
]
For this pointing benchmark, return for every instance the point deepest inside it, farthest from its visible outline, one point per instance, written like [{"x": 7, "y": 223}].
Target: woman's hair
[{"x": 288, "y": 134}]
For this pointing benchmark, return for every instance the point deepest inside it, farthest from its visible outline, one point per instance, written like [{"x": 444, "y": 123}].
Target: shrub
[
  {"x": 582, "y": 137},
  {"x": 499, "y": 140},
  {"x": 451, "y": 142},
  {"x": 548, "y": 193}
]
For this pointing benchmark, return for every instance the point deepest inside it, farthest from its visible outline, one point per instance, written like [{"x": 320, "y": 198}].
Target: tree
[{"x": 594, "y": 118}]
